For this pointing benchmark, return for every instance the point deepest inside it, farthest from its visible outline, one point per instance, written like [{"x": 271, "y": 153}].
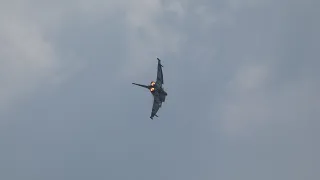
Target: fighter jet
[{"x": 156, "y": 89}]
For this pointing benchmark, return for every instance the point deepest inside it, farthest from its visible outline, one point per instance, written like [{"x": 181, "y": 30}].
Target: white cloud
[
  {"x": 245, "y": 105},
  {"x": 206, "y": 16},
  {"x": 27, "y": 59},
  {"x": 249, "y": 77},
  {"x": 28, "y": 55},
  {"x": 177, "y": 8},
  {"x": 238, "y": 4},
  {"x": 148, "y": 36},
  {"x": 255, "y": 99}
]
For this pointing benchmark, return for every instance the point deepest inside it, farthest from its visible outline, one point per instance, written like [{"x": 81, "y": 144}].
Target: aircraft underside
[{"x": 159, "y": 95}]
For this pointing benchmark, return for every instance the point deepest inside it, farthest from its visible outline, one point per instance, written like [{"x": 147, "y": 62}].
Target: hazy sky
[{"x": 242, "y": 79}]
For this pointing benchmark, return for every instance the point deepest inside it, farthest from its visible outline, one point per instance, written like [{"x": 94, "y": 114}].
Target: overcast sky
[{"x": 242, "y": 79}]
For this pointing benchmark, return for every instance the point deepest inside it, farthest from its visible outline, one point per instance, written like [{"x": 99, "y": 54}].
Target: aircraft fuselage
[{"x": 157, "y": 90}]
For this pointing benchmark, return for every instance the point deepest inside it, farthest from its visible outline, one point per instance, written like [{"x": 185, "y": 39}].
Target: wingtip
[{"x": 159, "y": 61}]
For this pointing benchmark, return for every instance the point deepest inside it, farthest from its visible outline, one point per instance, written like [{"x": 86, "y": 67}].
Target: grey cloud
[{"x": 241, "y": 78}]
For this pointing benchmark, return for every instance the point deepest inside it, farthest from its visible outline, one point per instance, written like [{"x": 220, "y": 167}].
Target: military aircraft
[{"x": 156, "y": 89}]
